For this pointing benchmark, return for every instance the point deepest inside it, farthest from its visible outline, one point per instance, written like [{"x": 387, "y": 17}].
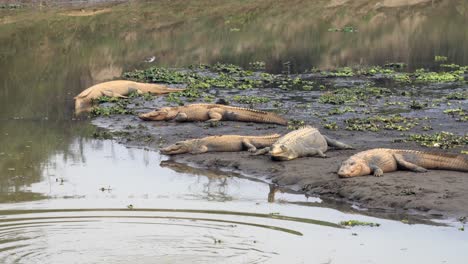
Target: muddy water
[
  {"x": 66, "y": 198},
  {"x": 107, "y": 203}
]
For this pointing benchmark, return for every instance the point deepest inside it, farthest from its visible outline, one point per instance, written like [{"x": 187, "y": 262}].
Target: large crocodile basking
[
  {"x": 225, "y": 143},
  {"x": 118, "y": 88},
  {"x": 378, "y": 161},
  {"x": 211, "y": 113},
  {"x": 307, "y": 141}
]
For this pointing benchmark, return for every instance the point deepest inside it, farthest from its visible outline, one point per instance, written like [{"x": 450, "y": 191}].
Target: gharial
[
  {"x": 118, "y": 88},
  {"x": 378, "y": 161},
  {"x": 211, "y": 113},
  {"x": 306, "y": 141},
  {"x": 224, "y": 143}
]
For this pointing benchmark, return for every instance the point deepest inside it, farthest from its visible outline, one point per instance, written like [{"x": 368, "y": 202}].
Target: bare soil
[{"x": 435, "y": 193}]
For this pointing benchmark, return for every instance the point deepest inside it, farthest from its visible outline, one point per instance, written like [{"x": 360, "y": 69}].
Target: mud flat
[{"x": 384, "y": 113}]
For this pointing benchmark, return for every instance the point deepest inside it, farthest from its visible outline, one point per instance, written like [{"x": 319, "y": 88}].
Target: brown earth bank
[{"x": 435, "y": 193}]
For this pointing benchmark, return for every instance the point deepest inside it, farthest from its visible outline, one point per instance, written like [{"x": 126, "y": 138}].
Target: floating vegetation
[
  {"x": 376, "y": 123},
  {"x": 245, "y": 99},
  {"x": 450, "y": 66},
  {"x": 351, "y": 95},
  {"x": 157, "y": 74},
  {"x": 331, "y": 126},
  {"x": 258, "y": 65},
  {"x": 352, "y": 223},
  {"x": 339, "y": 111},
  {"x": 295, "y": 124},
  {"x": 118, "y": 109},
  {"x": 457, "y": 96},
  {"x": 458, "y": 113},
  {"x": 421, "y": 75},
  {"x": 377, "y": 70},
  {"x": 402, "y": 78},
  {"x": 340, "y": 72},
  {"x": 417, "y": 105},
  {"x": 443, "y": 140},
  {"x": 440, "y": 58}
]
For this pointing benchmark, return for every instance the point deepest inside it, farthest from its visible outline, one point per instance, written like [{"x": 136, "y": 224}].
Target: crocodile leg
[
  {"x": 181, "y": 117},
  {"x": 316, "y": 152},
  {"x": 215, "y": 115},
  {"x": 408, "y": 165},
  {"x": 337, "y": 144},
  {"x": 249, "y": 145},
  {"x": 262, "y": 151},
  {"x": 199, "y": 150},
  {"x": 376, "y": 170}
]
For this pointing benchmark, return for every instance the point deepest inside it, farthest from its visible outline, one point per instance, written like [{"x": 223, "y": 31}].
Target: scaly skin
[
  {"x": 225, "y": 143},
  {"x": 378, "y": 161},
  {"x": 120, "y": 88},
  {"x": 212, "y": 113},
  {"x": 303, "y": 142}
]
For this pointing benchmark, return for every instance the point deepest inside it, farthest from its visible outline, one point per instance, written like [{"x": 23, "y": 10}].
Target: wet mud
[{"x": 422, "y": 106}]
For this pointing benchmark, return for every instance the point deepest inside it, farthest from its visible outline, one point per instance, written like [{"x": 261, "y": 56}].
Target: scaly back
[{"x": 293, "y": 136}]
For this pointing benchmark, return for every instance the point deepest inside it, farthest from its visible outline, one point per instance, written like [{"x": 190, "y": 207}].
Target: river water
[{"x": 68, "y": 198}]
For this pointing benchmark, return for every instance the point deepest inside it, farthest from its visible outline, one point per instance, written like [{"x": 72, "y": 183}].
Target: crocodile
[
  {"x": 119, "y": 89},
  {"x": 378, "y": 161},
  {"x": 224, "y": 143},
  {"x": 306, "y": 141},
  {"x": 212, "y": 113}
]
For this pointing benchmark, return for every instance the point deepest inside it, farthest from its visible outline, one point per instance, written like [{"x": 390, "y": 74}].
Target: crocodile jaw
[
  {"x": 174, "y": 149},
  {"x": 352, "y": 168}
]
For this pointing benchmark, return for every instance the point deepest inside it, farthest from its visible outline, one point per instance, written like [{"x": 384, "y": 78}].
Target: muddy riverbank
[{"x": 366, "y": 111}]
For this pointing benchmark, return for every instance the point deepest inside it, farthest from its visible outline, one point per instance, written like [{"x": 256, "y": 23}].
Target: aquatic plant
[
  {"x": 443, "y": 140},
  {"x": 245, "y": 99},
  {"x": 331, "y": 126},
  {"x": 457, "y": 96},
  {"x": 440, "y": 58},
  {"x": 458, "y": 113},
  {"x": 376, "y": 123},
  {"x": 257, "y": 65},
  {"x": 421, "y": 75},
  {"x": 417, "y": 105},
  {"x": 294, "y": 124},
  {"x": 340, "y": 72}
]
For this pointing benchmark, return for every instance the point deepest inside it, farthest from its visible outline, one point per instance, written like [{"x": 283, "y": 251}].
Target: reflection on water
[
  {"x": 181, "y": 214},
  {"x": 48, "y": 161}
]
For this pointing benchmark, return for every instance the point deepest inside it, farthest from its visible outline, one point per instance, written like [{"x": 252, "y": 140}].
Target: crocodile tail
[
  {"x": 443, "y": 161},
  {"x": 252, "y": 115}
]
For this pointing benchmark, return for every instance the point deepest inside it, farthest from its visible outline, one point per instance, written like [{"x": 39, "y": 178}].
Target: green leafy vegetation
[
  {"x": 440, "y": 58},
  {"x": 443, "y": 140},
  {"x": 295, "y": 124},
  {"x": 457, "y": 96},
  {"x": 458, "y": 113},
  {"x": 352, "y": 95},
  {"x": 376, "y": 123},
  {"x": 421, "y": 75},
  {"x": 331, "y": 126}
]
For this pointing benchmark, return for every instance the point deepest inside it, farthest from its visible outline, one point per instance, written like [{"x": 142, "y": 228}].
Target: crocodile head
[
  {"x": 178, "y": 148},
  {"x": 281, "y": 152},
  {"x": 353, "y": 167},
  {"x": 156, "y": 115}
]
